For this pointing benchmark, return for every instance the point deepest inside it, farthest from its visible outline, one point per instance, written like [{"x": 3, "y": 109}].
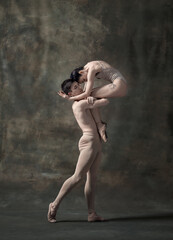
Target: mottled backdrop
[{"x": 41, "y": 41}]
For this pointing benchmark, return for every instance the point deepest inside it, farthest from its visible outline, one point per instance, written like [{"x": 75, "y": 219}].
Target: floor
[
  {"x": 30, "y": 225},
  {"x": 23, "y": 215}
]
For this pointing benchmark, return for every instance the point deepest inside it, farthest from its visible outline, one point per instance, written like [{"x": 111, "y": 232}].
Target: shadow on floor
[{"x": 142, "y": 218}]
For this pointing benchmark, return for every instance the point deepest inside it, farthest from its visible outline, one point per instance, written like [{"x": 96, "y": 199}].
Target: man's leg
[
  {"x": 85, "y": 160},
  {"x": 89, "y": 190}
]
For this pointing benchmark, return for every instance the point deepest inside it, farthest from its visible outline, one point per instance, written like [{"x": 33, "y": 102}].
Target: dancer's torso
[
  {"x": 105, "y": 71},
  {"x": 84, "y": 119}
]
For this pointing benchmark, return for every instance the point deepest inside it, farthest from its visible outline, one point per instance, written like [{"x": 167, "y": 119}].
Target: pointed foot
[
  {"x": 102, "y": 132},
  {"x": 51, "y": 215}
]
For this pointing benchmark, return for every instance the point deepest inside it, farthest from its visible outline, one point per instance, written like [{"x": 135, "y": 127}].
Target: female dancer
[{"x": 117, "y": 86}]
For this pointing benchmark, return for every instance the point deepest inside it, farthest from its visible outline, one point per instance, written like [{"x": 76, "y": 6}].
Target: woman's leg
[
  {"x": 116, "y": 89},
  {"x": 101, "y": 126},
  {"x": 96, "y": 115}
]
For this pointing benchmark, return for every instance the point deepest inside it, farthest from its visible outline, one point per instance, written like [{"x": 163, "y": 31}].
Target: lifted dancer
[
  {"x": 90, "y": 152},
  {"x": 117, "y": 86},
  {"x": 87, "y": 74}
]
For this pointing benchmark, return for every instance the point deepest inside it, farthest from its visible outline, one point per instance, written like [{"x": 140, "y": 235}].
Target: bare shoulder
[
  {"x": 74, "y": 105},
  {"x": 77, "y": 105},
  {"x": 93, "y": 65}
]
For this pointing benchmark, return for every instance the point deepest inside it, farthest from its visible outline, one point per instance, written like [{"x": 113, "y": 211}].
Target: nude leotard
[{"x": 109, "y": 73}]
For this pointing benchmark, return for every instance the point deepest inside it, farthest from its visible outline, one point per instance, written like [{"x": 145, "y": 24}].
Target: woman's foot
[
  {"x": 93, "y": 217},
  {"x": 102, "y": 131},
  {"x": 51, "y": 215}
]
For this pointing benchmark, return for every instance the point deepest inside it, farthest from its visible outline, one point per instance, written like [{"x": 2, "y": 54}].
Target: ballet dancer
[
  {"x": 90, "y": 152},
  {"x": 117, "y": 86}
]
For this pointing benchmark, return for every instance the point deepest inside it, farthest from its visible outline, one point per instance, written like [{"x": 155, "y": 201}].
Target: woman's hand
[
  {"x": 91, "y": 100},
  {"x": 62, "y": 94}
]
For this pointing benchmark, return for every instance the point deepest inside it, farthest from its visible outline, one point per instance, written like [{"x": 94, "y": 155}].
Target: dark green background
[{"x": 41, "y": 42}]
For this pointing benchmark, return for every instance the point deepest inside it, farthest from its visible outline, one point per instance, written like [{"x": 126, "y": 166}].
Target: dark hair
[
  {"x": 66, "y": 85},
  {"x": 75, "y": 74}
]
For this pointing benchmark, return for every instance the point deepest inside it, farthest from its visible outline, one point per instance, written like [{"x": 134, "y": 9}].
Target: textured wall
[{"x": 41, "y": 42}]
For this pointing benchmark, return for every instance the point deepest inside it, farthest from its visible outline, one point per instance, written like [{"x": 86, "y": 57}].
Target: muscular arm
[
  {"x": 97, "y": 103},
  {"x": 90, "y": 82}
]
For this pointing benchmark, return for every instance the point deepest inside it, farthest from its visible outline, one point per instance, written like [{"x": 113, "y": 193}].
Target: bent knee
[
  {"x": 123, "y": 93},
  {"x": 106, "y": 101}
]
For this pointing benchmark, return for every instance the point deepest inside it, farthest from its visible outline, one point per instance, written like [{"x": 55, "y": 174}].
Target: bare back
[
  {"x": 105, "y": 71},
  {"x": 97, "y": 65}
]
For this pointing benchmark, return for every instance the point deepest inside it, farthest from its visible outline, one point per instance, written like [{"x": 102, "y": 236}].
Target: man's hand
[{"x": 62, "y": 94}]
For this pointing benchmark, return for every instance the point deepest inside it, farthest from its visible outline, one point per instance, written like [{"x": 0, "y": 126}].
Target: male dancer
[{"x": 90, "y": 151}]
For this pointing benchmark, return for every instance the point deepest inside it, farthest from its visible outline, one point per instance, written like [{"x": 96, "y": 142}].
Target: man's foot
[
  {"x": 51, "y": 215},
  {"x": 102, "y": 131},
  {"x": 93, "y": 217}
]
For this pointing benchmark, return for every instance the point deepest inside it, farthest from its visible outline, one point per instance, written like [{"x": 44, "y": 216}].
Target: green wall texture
[{"x": 40, "y": 43}]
